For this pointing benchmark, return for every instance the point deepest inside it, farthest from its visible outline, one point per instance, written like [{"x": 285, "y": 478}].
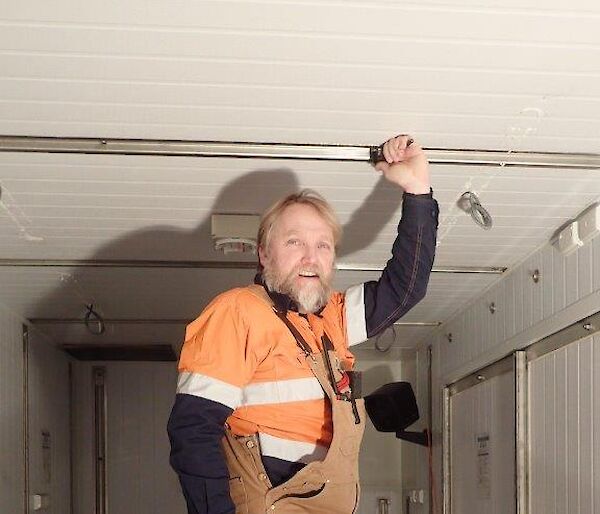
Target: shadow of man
[{"x": 180, "y": 293}]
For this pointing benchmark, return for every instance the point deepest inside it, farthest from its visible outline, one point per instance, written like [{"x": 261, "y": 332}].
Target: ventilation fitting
[{"x": 234, "y": 233}]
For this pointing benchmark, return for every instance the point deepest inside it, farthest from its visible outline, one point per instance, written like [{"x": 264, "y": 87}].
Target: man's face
[{"x": 299, "y": 258}]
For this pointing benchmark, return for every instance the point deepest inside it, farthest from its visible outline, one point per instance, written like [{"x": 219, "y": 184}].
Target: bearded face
[
  {"x": 299, "y": 258},
  {"x": 310, "y": 294}
]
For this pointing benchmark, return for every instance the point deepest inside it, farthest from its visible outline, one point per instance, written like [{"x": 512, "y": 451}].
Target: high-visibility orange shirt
[{"x": 239, "y": 353}]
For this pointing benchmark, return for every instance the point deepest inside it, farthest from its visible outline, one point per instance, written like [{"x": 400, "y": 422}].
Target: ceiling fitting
[
  {"x": 578, "y": 232},
  {"x": 234, "y": 233},
  {"x": 93, "y": 321},
  {"x": 464, "y": 157},
  {"x": 469, "y": 202}
]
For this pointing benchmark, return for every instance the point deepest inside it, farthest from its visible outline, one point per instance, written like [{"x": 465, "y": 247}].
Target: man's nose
[{"x": 310, "y": 255}]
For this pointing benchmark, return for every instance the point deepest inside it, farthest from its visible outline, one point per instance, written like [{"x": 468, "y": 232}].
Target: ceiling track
[
  {"x": 314, "y": 152},
  {"x": 119, "y": 263},
  {"x": 169, "y": 321}
]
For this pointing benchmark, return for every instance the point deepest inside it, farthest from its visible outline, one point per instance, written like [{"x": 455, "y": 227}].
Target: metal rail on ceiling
[
  {"x": 317, "y": 152},
  {"x": 122, "y": 263},
  {"x": 175, "y": 321}
]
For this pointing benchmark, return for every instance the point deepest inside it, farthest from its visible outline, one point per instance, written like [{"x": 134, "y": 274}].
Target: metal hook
[
  {"x": 469, "y": 202},
  {"x": 91, "y": 318}
]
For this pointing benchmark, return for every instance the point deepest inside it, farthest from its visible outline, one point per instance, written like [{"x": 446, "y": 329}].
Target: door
[{"x": 481, "y": 439}]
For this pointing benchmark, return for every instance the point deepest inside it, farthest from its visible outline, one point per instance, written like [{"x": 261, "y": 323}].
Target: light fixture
[
  {"x": 589, "y": 223},
  {"x": 568, "y": 239}
]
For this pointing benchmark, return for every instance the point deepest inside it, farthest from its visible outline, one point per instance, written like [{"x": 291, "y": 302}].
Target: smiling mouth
[{"x": 308, "y": 274}]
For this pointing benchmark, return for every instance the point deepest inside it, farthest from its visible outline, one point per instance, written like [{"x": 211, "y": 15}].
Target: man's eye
[
  {"x": 293, "y": 242},
  {"x": 325, "y": 246}
]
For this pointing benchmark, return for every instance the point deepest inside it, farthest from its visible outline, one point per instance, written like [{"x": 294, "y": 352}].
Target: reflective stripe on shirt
[
  {"x": 260, "y": 393},
  {"x": 355, "y": 314},
  {"x": 293, "y": 451},
  {"x": 197, "y": 384},
  {"x": 282, "y": 391}
]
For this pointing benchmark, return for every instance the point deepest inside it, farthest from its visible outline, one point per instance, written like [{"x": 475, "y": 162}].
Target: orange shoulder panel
[{"x": 217, "y": 344}]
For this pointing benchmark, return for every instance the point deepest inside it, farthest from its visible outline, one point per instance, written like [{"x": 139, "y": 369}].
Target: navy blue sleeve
[
  {"x": 403, "y": 282},
  {"x": 196, "y": 427}
]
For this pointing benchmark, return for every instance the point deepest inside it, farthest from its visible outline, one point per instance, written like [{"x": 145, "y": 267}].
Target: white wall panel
[
  {"x": 571, "y": 277},
  {"x": 49, "y": 468},
  {"x": 484, "y": 483},
  {"x": 139, "y": 399},
  {"x": 596, "y": 423},
  {"x": 563, "y": 423},
  {"x": 547, "y": 286},
  {"x": 381, "y": 454},
  {"x": 83, "y": 439},
  {"x": 140, "y": 480},
  {"x": 49, "y": 471},
  {"x": 596, "y": 264},
  {"x": 518, "y": 299},
  {"x": 415, "y": 458},
  {"x": 558, "y": 278},
  {"x": 584, "y": 271},
  {"x": 510, "y": 316},
  {"x": 523, "y": 305},
  {"x": 11, "y": 414},
  {"x": 568, "y": 290}
]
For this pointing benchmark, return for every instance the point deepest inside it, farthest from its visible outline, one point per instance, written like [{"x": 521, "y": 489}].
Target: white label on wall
[
  {"x": 46, "y": 456},
  {"x": 484, "y": 479}
]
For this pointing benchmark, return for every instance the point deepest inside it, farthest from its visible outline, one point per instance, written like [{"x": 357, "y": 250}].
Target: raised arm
[{"x": 373, "y": 306}]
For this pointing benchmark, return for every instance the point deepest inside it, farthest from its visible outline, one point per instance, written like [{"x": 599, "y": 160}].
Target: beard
[{"x": 309, "y": 297}]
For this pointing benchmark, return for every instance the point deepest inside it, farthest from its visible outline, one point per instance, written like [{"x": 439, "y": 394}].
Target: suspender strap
[
  {"x": 327, "y": 347},
  {"x": 300, "y": 341}
]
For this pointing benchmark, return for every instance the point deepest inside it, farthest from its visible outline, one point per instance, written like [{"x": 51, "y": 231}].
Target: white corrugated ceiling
[{"x": 509, "y": 76}]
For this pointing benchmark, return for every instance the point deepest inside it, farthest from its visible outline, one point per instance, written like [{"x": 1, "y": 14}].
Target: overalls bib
[{"x": 330, "y": 486}]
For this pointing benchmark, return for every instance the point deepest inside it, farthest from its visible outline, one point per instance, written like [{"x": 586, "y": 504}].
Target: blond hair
[{"x": 304, "y": 197}]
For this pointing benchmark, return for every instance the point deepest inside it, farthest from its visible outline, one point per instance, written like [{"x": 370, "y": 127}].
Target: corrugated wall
[
  {"x": 483, "y": 447},
  {"x": 568, "y": 289},
  {"x": 49, "y": 426},
  {"x": 381, "y": 471},
  {"x": 139, "y": 399},
  {"x": 83, "y": 439},
  {"x": 48, "y": 414},
  {"x": 11, "y": 413},
  {"x": 525, "y": 311},
  {"x": 564, "y": 423},
  {"x": 415, "y": 473}
]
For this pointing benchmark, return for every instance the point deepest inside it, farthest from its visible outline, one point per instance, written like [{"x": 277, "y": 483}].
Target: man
[{"x": 264, "y": 418}]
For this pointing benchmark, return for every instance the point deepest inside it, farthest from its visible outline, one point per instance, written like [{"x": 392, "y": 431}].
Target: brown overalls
[{"x": 330, "y": 486}]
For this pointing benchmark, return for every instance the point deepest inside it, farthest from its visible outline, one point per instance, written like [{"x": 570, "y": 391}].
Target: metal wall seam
[
  {"x": 100, "y": 438},
  {"x": 25, "y": 336},
  {"x": 446, "y": 454},
  {"x": 581, "y": 329},
  {"x": 521, "y": 433}
]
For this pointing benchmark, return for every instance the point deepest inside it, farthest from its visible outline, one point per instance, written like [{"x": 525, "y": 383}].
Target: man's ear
[{"x": 262, "y": 256}]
